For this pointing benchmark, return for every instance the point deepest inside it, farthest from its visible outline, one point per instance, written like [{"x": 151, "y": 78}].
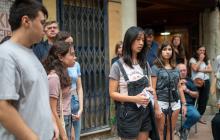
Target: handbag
[{"x": 198, "y": 82}]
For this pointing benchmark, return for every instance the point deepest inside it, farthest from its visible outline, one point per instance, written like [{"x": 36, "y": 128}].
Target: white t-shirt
[
  {"x": 133, "y": 75},
  {"x": 201, "y": 75},
  {"x": 216, "y": 68},
  {"x": 24, "y": 82}
]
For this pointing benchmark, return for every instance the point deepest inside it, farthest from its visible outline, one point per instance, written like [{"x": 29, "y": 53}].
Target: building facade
[{"x": 97, "y": 25}]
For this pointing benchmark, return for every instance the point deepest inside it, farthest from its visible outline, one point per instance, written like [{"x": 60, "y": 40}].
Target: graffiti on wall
[
  {"x": 4, "y": 25},
  {"x": 5, "y": 28}
]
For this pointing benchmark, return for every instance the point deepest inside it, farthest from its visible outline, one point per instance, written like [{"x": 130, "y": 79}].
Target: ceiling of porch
[{"x": 171, "y": 12}]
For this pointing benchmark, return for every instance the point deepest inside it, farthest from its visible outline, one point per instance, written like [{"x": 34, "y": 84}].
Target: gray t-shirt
[
  {"x": 24, "y": 82},
  {"x": 163, "y": 83}
]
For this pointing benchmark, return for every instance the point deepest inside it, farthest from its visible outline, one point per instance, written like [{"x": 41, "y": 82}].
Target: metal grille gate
[{"x": 87, "y": 22}]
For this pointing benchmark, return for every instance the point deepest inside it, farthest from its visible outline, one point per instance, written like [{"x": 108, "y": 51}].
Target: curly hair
[
  {"x": 62, "y": 36},
  {"x": 59, "y": 48},
  {"x": 172, "y": 60}
]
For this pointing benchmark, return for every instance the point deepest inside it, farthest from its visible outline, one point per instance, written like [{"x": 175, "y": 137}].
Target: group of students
[
  {"x": 142, "y": 69},
  {"x": 40, "y": 82},
  {"x": 64, "y": 77},
  {"x": 65, "y": 87}
]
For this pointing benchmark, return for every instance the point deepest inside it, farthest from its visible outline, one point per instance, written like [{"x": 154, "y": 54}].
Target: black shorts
[{"x": 132, "y": 120}]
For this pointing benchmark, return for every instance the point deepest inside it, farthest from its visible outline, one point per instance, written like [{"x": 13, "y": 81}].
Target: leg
[
  {"x": 77, "y": 129},
  {"x": 174, "y": 120},
  {"x": 192, "y": 117},
  {"x": 75, "y": 124},
  {"x": 160, "y": 125},
  {"x": 143, "y": 136},
  {"x": 72, "y": 133},
  {"x": 68, "y": 126},
  {"x": 203, "y": 97}
]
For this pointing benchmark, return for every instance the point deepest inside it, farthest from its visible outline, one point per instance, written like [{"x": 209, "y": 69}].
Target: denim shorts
[{"x": 174, "y": 105}]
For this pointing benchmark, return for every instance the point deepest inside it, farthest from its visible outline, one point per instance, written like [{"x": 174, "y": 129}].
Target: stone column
[
  {"x": 210, "y": 32},
  {"x": 210, "y": 37},
  {"x": 129, "y": 14}
]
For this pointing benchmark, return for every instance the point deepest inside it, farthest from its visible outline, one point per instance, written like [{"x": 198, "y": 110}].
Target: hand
[
  {"x": 56, "y": 133},
  {"x": 150, "y": 89},
  {"x": 184, "y": 111},
  {"x": 186, "y": 90},
  {"x": 201, "y": 57},
  {"x": 64, "y": 137},
  {"x": 142, "y": 99},
  {"x": 182, "y": 82},
  {"x": 76, "y": 117}
]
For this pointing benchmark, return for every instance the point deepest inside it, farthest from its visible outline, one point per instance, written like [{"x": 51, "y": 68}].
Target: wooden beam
[{"x": 182, "y": 4}]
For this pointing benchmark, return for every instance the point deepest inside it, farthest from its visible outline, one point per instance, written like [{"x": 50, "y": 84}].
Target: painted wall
[
  {"x": 115, "y": 26},
  {"x": 51, "y": 7}
]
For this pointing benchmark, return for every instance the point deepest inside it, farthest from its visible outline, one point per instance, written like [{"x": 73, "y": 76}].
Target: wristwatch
[{"x": 184, "y": 104}]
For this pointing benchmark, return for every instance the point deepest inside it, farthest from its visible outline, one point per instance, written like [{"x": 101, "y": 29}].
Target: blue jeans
[
  {"x": 74, "y": 110},
  {"x": 68, "y": 126},
  {"x": 192, "y": 117}
]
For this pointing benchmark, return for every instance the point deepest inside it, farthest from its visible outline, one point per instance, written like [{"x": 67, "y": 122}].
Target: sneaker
[{"x": 184, "y": 133}]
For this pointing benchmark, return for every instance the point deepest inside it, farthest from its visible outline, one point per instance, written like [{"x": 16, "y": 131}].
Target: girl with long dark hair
[
  {"x": 200, "y": 69},
  {"x": 179, "y": 49},
  {"x": 165, "y": 80},
  {"x": 61, "y": 56},
  {"x": 128, "y": 81}
]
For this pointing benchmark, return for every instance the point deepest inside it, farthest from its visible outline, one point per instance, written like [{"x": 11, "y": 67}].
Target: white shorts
[{"x": 165, "y": 105}]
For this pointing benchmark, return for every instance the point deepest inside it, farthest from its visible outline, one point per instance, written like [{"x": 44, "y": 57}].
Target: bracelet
[{"x": 184, "y": 104}]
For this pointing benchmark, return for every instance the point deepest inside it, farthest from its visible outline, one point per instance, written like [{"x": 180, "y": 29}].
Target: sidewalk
[{"x": 204, "y": 132}]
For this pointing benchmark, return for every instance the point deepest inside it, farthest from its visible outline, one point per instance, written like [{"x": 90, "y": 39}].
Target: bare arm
[
  {"x": 154, "y": 83},
  {"x": 208, "y": 69},
  {"x": 181, "y": 92},
  {"x": 53, "y": 105},
  {"x": 182, "y": 97},
  {"x": 15, "y": 124},
  {"x": 195, "y": 67},
  {"x": 80, "y": 94},
  {"x": 194, "y": 94}
]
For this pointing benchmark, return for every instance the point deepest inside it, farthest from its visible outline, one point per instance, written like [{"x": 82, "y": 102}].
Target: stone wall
[
  {"x": 210, "y": 32},
  {"x": 210, "y": 37}
]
